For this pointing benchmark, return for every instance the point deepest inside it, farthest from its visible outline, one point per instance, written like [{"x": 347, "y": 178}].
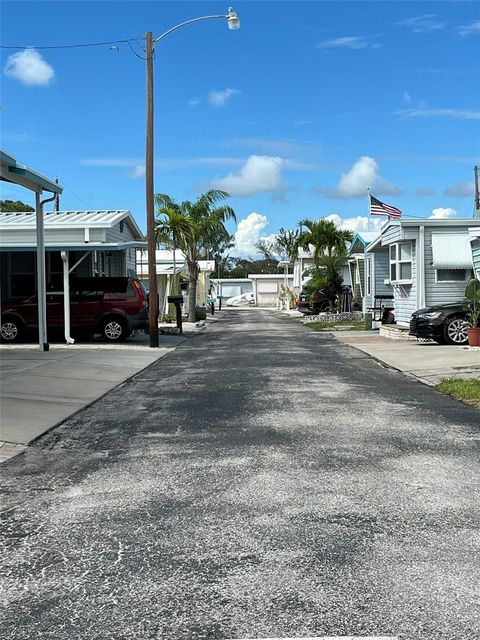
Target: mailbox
[{"x": 177, "y": 300}]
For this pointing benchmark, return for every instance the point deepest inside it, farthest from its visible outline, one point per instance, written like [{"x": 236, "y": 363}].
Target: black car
[
  {"x": 444, "y": 323},
  {"x": 310, "y": 305}
]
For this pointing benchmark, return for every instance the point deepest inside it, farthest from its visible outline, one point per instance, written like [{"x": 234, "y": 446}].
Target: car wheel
[
  {"x": 10, "y": 330},
  {"x": 114, "y": 330},
  {"x": 455, "y": 331}
]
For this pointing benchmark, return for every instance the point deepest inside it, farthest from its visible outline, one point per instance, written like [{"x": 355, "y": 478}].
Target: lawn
[
  {"x": 467, "y": 390},
  {"x": 340, "y": 325}
]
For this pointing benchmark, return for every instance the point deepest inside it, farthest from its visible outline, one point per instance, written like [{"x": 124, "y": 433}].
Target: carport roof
[
  {"x": 12, "y": 172},
  {"x": 68, "y": 219}
]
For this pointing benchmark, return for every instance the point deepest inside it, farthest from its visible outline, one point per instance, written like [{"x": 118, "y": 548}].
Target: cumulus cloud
[
  {"x": 29, "y": 68},
  {"x": 441, "y": 213},
  {"x": 259, "y": 174},
  {"x": 423, "y": 24},
  {"x": 460, "y": 190},
  {"x": 222, "y": 97},
  {"x": 354, "y": 183},
  {"x": 356, "y": 224},
  {"x": 248, "y": 233},
  {"x": 466, "y": 30}
]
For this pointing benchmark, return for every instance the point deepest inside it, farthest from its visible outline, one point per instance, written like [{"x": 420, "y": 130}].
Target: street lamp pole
[{"x": 233, "y": 23}]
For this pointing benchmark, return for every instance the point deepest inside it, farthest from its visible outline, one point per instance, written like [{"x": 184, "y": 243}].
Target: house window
[
  {"x": 452, "y": 275},
  {"x": 401, "y": 262}
]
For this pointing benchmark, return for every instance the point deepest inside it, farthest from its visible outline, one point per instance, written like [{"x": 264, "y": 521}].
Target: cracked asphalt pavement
[{"x": 262, "y": 480}]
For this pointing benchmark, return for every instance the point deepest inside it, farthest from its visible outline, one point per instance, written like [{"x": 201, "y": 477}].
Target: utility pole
[
  {"x": 57, "y": 200},
  {"x": 477, "y": 193},
  {"x": 151, "y": 240}
]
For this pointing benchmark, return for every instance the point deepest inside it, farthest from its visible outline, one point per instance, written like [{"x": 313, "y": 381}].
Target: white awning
[{"x": 451, "y": 251}]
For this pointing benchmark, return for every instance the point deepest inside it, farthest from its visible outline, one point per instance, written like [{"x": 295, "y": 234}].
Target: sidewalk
[
  {"x": 426, "y": 361},
  {"x": 39, "y": 390}
]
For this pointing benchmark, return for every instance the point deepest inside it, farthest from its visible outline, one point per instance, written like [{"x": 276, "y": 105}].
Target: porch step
[{"x": 393, "y": 332}]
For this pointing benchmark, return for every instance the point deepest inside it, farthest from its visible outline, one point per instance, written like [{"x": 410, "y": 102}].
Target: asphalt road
[{"x": 262, "y": 480}]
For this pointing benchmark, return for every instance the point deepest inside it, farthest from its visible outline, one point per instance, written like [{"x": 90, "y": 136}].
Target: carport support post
[
  {"x": 66, "y": 297},
  {"x": 41, "y": 282}
]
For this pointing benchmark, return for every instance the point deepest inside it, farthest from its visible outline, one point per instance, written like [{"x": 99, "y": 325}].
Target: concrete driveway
[
  {"x": 38, "y": 390},
  {"x": 262, "y": 481},
  {"x": 427, "y": 361}
]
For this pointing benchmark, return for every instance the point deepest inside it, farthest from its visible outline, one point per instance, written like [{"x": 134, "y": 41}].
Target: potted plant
[{"x": 472, "y": 307}]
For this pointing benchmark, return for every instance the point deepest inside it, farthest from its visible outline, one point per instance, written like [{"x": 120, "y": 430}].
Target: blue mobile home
[{"x": 429, "y": 262}]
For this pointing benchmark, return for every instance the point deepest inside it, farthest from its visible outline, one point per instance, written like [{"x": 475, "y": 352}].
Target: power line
[{"x": 71, "y": 46}]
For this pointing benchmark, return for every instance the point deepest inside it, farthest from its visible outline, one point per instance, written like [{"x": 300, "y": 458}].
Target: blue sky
[{"x": 294, "y": 114}]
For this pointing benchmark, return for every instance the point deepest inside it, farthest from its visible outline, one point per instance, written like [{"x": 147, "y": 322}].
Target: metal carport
[{"x": 14, "y": 173}]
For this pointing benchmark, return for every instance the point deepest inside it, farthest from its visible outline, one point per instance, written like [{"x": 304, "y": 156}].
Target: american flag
[{"x": 378, "y": 208}]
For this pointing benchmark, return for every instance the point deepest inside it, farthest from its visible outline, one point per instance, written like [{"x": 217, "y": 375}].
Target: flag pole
[{"x": 368, "y": 214}]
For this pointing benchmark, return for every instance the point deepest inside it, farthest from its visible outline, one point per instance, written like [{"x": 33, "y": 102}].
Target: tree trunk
[{"x": 192, "y": 297}]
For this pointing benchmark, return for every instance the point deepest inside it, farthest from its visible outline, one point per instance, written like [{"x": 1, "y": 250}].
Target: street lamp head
[{"x": 233, "y": 19}]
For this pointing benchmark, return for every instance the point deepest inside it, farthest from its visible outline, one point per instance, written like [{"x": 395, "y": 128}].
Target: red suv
[{"x": 113, "y": 307}]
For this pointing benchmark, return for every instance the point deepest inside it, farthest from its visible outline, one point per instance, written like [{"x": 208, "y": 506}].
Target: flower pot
[{"x": 473, "y": 336}]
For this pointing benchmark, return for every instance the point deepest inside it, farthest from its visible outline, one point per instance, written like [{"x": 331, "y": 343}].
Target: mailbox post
[{"x": 177, "y": 300}]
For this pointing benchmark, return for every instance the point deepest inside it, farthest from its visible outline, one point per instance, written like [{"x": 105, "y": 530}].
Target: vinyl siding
[
  {"x": 382, "y": 266},
  {"x": 406, "y": 294},
  {"x": 115, "y": 235},
  {"x": 392, "y": 234},
  {"x": 439, "y": 292}
]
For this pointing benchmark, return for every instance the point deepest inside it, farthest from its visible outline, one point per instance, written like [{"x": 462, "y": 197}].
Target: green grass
[
  {"x": 341, "y": 325},
  {"x": 467, "y": 390}
]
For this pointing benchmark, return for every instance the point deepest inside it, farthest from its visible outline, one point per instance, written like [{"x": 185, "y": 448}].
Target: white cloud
[
  {"x": 356, "y": 224},
  {"x": 138, "y": 171},
  {"x": 466, "y": 30},
  {"x": 193, "y": 102},
  {"x": 221, "y": 98},
  {"x": 354, "y": 183},
  {"x": 407, "y": 98},
  {"x": 423, "y": 112},
  {"x": 423, "y": 24},
  {"x": 441, "y": 213},
  {"x": 29, "y": 68},
  {"x": 349, "y": 42},
  {"x": 248, "y": 233},
  {"x": 259, "y": 174},
  {"x": 460, "y": 190}
]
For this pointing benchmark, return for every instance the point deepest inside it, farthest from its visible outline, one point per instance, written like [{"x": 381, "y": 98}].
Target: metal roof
[
  {"x": 12, "y": 172},
  {"x": 68, "y": 219}
]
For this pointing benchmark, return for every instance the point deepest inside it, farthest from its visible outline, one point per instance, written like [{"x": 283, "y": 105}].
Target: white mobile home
[{"x": 429, "y": 262}]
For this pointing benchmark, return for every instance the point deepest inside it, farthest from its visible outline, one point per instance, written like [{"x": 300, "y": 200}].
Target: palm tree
[
  {"x": 325, "y": 238},
  {"x": 329, "y": 254},
  {"x": 172, "y": 228},
  {"x": 287, "y": 244},
  {"x": 200, "y": 226}
]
